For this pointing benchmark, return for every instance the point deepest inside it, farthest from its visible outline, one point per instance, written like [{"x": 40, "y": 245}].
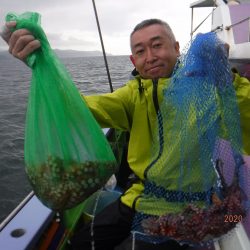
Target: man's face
[{"x": 154, "y": 53}]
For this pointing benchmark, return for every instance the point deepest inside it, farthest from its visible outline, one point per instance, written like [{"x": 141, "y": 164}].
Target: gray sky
[{"x": 71, "y": 24}]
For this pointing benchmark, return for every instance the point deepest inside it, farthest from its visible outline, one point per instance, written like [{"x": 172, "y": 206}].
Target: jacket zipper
[{"x": 160, "y": 125}]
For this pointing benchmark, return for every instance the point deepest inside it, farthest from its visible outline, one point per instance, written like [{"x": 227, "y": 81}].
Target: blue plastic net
[{"x": 195, "y": 188}]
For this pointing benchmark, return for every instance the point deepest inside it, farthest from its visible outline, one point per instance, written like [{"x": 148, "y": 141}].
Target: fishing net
[
  {"x": 197, "y": 186},
  {"x": 67, "y": 156}
]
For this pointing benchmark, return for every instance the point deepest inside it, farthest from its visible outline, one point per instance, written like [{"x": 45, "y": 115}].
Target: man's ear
[
  {"x": 132, "y": 59},
  {"x": 177, "y": 47}
]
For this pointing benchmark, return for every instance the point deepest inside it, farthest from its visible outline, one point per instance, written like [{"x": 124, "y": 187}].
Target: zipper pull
[{"x": 141, "y": 88}]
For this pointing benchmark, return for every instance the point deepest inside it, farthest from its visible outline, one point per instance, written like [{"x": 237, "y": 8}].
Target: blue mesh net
[{"x": 195, "y": 188}]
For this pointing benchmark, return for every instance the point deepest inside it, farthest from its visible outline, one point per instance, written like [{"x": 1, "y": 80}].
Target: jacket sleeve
[
  {"x": 242, "y": 87},
  {"x": 112, "y": 110}
]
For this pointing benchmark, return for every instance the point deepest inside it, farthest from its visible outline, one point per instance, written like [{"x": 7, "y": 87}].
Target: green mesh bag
[{"x": 67, "y": 156}]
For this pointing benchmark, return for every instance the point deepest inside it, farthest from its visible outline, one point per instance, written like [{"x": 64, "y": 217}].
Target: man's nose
[{"x": 150, "y": 57}]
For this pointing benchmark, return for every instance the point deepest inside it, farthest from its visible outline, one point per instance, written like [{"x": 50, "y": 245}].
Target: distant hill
[{"x": 67, "y": 53}]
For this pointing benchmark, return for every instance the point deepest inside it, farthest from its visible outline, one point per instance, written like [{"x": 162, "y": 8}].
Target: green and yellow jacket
[{"x": 134, "y": 108}]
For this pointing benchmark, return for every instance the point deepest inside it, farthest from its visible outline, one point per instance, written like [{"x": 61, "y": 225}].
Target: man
[{"x": 132, "y": 108}]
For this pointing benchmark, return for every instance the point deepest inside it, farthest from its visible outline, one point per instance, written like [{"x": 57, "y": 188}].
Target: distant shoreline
[{"x": 70, "y": 53}]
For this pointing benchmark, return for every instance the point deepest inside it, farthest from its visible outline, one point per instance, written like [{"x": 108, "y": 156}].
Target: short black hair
[{"x": 149, "y": 22}]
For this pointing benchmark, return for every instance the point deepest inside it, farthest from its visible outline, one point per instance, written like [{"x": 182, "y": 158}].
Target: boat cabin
[{"x": 231, "y": 22}]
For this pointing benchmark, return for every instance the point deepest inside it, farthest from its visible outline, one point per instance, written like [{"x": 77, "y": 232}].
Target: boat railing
[
  {"x": 16, "y": 210},
  {"x": 25, "y": 224}
]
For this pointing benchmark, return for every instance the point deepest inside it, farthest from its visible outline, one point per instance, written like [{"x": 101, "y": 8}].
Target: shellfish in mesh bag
[{"x": 61, "y": 187}]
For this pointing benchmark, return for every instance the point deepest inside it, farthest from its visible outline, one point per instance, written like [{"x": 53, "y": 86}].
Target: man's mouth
[{"x": 154, "y": 68}]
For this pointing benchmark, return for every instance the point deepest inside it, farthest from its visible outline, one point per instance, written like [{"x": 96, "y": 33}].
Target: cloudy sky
[{"x": 71, "y": 24}]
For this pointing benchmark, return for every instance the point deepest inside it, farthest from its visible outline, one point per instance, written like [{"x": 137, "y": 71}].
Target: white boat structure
[
  {"x": 33, "y": 226},
  {"x": 231, "y": 22}
]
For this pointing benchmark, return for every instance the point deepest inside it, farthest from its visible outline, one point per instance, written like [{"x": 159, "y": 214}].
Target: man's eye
[
  {"x": 157, "y": 45},
  {"x": 139, "y": 52}
]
